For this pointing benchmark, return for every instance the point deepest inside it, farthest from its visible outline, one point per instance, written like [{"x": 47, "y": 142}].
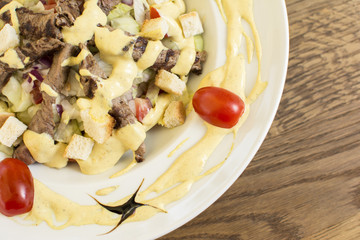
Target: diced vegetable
[
  {"x": 126, "y": 23},
  {"x": 169, "y": 43},
  {"x": 119, "y": 11},
  {"x": 19, "y": 99},
  {"x": 199, "y": 43},
  {"x": 66, "y": 131}
]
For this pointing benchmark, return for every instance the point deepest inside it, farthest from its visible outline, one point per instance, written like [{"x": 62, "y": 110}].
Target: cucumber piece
[
  {"x": 199, "y": 43},
  {"x": 119, "y": 11},
  {"x": 126, "y": 23}
]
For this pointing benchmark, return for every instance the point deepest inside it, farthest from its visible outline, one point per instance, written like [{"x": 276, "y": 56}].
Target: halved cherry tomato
[
  {"x": 16, "y": 187},
  {"x": 218, "y": 106},
  {"x": 142, "y": 107},
  {"x": 154, "y": 13}
]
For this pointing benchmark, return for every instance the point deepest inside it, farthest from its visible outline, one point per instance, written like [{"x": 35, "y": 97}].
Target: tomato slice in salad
[
  {"x": 218, "y": 106},
  {"x": 16, "y": 187},
  {"x": 142, "y": 107}
]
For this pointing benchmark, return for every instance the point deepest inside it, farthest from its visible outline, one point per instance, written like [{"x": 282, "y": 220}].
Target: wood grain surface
[{"x": 304, "y": 182}]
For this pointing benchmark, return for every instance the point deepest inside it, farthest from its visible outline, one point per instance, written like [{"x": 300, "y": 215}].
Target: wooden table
[{"x": 304, "y": 182}]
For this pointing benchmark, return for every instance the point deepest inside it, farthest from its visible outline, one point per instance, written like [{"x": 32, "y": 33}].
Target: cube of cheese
[
  {"x": 169, "y": 82},
  {"x": 79, "y": 147},
  {"x": 191, "y": 24},
  {"x": 174, "y": 114},
  {"x": 8, "y": 38},
  {"x": 11, "y": 130},
  {"x": 155, "y": 29}
]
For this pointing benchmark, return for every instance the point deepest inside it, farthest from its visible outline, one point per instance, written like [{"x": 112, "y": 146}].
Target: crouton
[
  {"x": 8, "y": 38},
  {"x": 79, "y": 147},
  {"x": 11, "y": 130},
  {"x": 191, "y": 24},
  {"x": 155, "y": 29},
  {"x": 169, "y": 82},
  {"x": 98, "y": 127},
  {"x": 4, "y": 116},
  {"x": 174, "y": 115}
]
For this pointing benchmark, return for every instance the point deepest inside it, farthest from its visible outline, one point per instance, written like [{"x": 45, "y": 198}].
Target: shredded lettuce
[
  {"x": 66, "y": 131},
  {"x": 119, "y": 11},
  {"x": 16, "y": 95},
  {"x": 126, "y": 23}
]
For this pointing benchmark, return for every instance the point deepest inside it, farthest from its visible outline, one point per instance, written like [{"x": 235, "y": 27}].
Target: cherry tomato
[
  {"x": 218, "y": 106},
  {"x": 154, "y": 13},
  {"x": 16, "y": 187},
  {"x": 142, "y": 107}
]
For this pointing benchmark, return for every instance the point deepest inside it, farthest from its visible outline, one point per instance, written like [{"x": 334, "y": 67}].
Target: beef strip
[
  {"x": 123, "y": 116},
  {"x": 108, "y": 5},
  {"x": 4, "y": 2},
  {"x": 5, "y": 74},
  {"x": 6, "y": 17},
  {"x": 37, "y": 25},
  {"x": 42, "y": 122},
  {"x": 139, "y": 48},
  {"x": 197, "y": 67},
  {"x": 167, "y": 59},
  {"x": 140, "y": 153},
  {"x": 37, "y": 49},
  {"x": 58, "y": 74},
  {"x": 122, "y": 113},
  {"x": 22, "y": 153},
  {"x": 89, "y": 83},
  {"x": 67, "y": 12}
]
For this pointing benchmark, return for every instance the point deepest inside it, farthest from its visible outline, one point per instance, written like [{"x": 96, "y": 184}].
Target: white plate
[{"x": 271, "y": 19}]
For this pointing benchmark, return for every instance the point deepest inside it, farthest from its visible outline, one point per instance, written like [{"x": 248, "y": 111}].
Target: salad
[
  {"x": 81, "y": 78},
  {"x": 83, "y": 81}
]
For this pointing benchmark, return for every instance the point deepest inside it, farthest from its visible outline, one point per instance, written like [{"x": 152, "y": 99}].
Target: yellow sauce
[
  {"x": 106, "y": 191},
  {"x": 12, "y": 59},
  {"x": 85, "y": 25},
  {"x": 12, "y": 6},
  {"x": 177, "y": 181}
]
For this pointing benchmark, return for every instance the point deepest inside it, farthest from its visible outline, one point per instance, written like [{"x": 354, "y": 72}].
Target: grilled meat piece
[
  {"x": 167, "y": 59},
  {"x": 58, "y": 74},
  {"x": 122, "y": 113},
  {"x": 34, "y": 26},
  {"x": 107, "y": 5},
  {"x": 67, "y": 12},
  {"x": 37, "y": 49},
  {"x": 89, "y": 82},
  {"x": 5, "y": 74},
  {"x": 140, "y": 153},
  {"x": 4, "y": 2},
  {"x": 42, "y": 122},
  {"x": 22, "y": 153}
]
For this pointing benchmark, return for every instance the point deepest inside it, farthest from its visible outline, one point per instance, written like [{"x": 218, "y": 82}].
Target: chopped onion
[
  {"x": 127, "y": 2},
  {"x": 27, "y": 86},
  {"x": 36, "y": 74},
  {"x": 59, "y": 109},
  {"x": 139, "y": 11}
]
